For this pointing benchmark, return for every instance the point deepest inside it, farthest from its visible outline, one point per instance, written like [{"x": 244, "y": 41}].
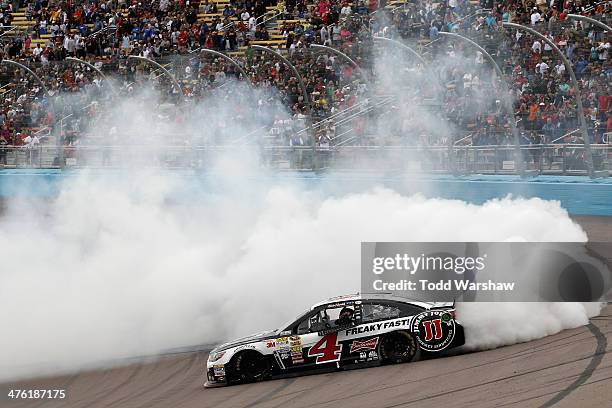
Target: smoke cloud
[
  {"x": 491, "y": 325},
  {"x": 134, "y": 262}
]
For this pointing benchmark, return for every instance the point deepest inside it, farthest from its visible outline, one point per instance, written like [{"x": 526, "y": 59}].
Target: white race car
[{"x": 353, "y": 330}]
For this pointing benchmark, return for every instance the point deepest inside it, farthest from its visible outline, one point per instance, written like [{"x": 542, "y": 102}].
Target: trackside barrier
[{"x": 558, "y": 159}]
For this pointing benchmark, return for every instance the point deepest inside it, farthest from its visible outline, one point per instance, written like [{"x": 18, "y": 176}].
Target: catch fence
[{"x": 558, "y": 159}]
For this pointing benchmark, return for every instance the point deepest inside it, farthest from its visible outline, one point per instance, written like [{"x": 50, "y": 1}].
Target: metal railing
[
  {"x": 592, "y": 7},
  {"x": 562, "y": 159},
  {"x": 264, "y": 21},
  {"x": 232, "y": 23},
  {"x": 12, "y": 29},
  {"x": 101, "y": 31}
]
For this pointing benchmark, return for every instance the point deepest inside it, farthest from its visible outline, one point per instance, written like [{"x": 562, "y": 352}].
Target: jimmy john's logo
[
  {"x": 357, "y": 345},
  {"x": 435, "y": 329}
]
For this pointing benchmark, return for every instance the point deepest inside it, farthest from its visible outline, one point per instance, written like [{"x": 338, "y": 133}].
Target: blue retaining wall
[{"x": 579, "y": 195}]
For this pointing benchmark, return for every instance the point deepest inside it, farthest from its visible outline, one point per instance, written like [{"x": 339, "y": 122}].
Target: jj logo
[
  {"x": 435, "y": 332},
  {"x": 435, "y": 328}
]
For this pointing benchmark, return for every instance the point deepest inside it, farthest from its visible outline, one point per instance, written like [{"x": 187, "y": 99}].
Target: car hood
[{"x": 270, "y": 334}]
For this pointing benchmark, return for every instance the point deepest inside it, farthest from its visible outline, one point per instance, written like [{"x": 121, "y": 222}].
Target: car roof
[{"x": 379, "y": 296}]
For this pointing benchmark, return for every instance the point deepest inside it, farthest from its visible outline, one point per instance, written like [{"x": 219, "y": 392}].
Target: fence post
[{"x": 495, "y": 160}]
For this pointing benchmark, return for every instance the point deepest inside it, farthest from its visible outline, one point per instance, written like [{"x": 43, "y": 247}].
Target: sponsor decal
[
  {"x": 338, "y": 305},
  {"x": 297, "y": 357},
  {"x": 435, "y": 329},
  {"x": 370, "y": 344},
  {"x": 373, "y": 327},
  {"x": 282, "y": 343},
  {"x": 244, "y": 347},
  {"x": 296, "y": 349},
  {"x": 270, "y": 344},
  {"x": 367, "y": 356},
  {"x": 327, "y": 331},
  {"x": 219, "y": 371},
  {"x": 295, "y": 338}
]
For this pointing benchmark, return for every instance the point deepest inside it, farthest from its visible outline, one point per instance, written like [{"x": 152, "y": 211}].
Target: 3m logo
[
  {"x": 357, "y": 345},
  {"x": 436, "y": 332}
]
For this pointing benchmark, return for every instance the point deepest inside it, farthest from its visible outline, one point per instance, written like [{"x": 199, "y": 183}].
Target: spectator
[
  {"x": 3, "y": 148},
  {"x": 535, "y": 16}
]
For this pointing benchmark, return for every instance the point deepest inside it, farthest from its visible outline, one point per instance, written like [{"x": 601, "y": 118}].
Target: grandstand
[{"x": 341, "y": 102}]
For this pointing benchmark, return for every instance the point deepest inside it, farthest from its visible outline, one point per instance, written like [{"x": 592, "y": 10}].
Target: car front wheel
[{"x": 249, "y": 366}]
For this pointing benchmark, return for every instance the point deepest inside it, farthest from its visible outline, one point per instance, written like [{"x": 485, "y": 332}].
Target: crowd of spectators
[
  {"x": 545, "y": 105},
  {"x": 99, "y": 31},
  {"x": 106, "y": 33}
]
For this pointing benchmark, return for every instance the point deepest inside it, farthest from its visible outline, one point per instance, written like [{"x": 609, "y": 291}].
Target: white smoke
[
  {"x": 135, "y": 262},
  {"x": 122, "y": 266},
  {"x": 490, "y": 325}
]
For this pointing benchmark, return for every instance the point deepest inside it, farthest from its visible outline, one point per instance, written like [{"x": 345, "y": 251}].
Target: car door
[
  {"x": 324, "y": 344},
  {"x": 321, "y": 342},
  {"x": 313, "y": 342},
  {"x": 319, "y": 347}
]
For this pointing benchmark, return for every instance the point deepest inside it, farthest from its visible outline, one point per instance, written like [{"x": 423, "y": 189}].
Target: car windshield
[{"x": 290, "y": 322}]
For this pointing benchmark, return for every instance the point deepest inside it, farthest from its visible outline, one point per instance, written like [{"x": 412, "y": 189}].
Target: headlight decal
[{"x": 215, "y": 356}]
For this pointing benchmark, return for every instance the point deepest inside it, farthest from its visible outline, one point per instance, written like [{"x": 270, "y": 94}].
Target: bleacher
[{"x": 273, "y": 25}]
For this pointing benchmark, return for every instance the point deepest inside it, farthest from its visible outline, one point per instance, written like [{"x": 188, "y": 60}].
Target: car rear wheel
[
  {"x": 398, "y": 347},
  {"x": 249, "y": 366}
]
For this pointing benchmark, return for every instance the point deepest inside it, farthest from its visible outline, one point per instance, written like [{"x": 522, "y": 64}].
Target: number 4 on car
[
  {"x": 342, "y": 332},
  {"x": 326, "y": 350}
]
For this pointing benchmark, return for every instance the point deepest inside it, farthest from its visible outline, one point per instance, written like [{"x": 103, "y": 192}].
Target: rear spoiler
[{"x": 443, "y": 305}]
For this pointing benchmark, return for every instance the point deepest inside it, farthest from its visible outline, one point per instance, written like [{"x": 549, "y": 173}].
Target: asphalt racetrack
[{"x": 570, "y": 369}]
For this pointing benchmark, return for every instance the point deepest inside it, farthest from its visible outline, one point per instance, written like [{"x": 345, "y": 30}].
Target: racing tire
[
  {"x": 398, "y": 347},
  {"x": 249, "y": 366}
]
